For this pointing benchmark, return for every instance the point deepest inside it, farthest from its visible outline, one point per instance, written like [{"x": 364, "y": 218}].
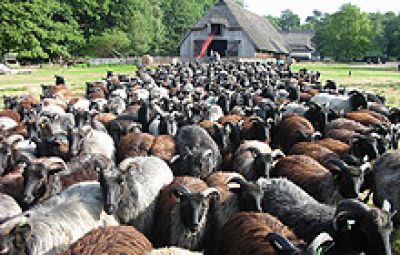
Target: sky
[{"x": 304, "y": 8}]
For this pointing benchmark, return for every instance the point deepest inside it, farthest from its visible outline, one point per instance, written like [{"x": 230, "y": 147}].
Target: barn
[{"x": 236, "y": 33}]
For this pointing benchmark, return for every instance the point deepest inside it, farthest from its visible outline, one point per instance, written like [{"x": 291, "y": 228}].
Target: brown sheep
[
  {"x": 135, "y": 145},
  {"x": 246, "y": 232},
  {"x": 12, "y": 184},
  {"x": 230, "y": 118},
  {"x": 111, "y": 240},
  {"x": 11, "y": 114},
  {"x": 318, "y": 181},
  {"x": 334, "y": 145},
  {"x": 342, "y": 134},
  {"x": 368, "y": 118},
  {"x": 348, "y": 124},
  {"x": 255, "y": 128},
  {"x": 315, "y": 151},
  {"x": 164, "y": 147},
  {"x": 105, "y": 118},
  {"x": 293, "y": 129},
  {"x": 181, "y": 214}
]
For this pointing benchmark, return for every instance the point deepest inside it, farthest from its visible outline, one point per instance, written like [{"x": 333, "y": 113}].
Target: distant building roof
[
  {"x": 259, "y": 30},
  {"x": 299, "y": 40}
]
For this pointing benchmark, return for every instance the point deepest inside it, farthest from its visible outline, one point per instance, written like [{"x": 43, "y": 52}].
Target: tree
[
  {"x": 38, "y": 29},
  {"x": 391, "y": 24},
  {"x": 345, "y": 35},
  {"x": 379, "y": 41},
  {"x": 275, "y": 21},
  {"x": 109, "y": 44},
  {"x": 289, "y": 21}
]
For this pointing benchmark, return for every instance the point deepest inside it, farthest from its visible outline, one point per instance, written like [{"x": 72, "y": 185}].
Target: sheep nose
[
  {"x": 28, "y": 199},
  {"x": 194, "y": 226}
]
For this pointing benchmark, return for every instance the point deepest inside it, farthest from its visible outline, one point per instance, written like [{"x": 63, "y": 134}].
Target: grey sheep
[{"x": 199, "y": 154}]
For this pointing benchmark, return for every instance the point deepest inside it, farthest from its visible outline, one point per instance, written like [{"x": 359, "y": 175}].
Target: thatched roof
[
  {"x": 259, "y": 30},
  {"x": 299, "y": 40}
]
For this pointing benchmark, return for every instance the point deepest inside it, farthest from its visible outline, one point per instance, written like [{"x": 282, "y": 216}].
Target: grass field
[
  {"x": 75, "y": 76},
  {"x": 383, "y": 80}
]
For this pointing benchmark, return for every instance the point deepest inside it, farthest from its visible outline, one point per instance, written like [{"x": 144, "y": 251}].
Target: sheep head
[
  {"x": 250, "y": 194},
  {"x": 193, "y": 207}
]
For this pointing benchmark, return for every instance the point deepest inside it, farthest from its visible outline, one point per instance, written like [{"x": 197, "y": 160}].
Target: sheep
[
  {"x": 315, "y": 151},
  {"x": 353, "y": 226},
  {"x": 181, "y": 214},
  {"x": 12, "y": 114},
  {"x": 199, "y": 154},
  {"x": 253, "y": 159},
  {"x": 349, "y": 124},
  {"x": 236, "y": 194},
  {"x": 36, "y": 174},
  {"x": 95, "y": 142},
  {"x": 385, "y": 182},
  {"x": 131, "y": 190},
  {"x": 334, "y": 145},
  {"x": 255, "y": 128},
  {"x": 164, "y": 147},
  {"x": 345, "y": 103},
  {"x": 56, "y": 223},
  {"x": 319, "y": 182},
  {"x": 12, "y": 184},
  {"x": 8, "y": 208},
  {"x": 45, "y": 177},
  {"x": 257, "y": 233},
  {"x": 135, "y": 145},
  {"x": 111, "y": 240},
  {"x": 7, "y": 123},
  {"x": 293, "y": 129}
]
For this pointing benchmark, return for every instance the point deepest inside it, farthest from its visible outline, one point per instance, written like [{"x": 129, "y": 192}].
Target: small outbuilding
[
  {"x": 300, "y": 44},
  {"x": 235, "y": 33}
]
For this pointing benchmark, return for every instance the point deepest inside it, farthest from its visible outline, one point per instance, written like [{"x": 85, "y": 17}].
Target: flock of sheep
[{"x": 197, "y": 158}]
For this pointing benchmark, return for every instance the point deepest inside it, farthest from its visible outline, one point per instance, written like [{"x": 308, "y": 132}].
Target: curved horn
[
  {"x": 179, "y": 191},
  {"x": 237, "y": 180},
  {"x": 254, "y": 150},
  {"x": 55, "y": 163},
  {"x": 279, "y": 242},
  {"x": 318, "y": 241},
  {"x": 337, "y": 162},
  {"x": 11, "y": 140},
  {"x": 277, "y": 154},
  {"x": 207, "y": 192}
]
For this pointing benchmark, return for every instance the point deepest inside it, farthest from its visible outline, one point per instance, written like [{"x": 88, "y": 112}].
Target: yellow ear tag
[{"x": 23, "y": 223}]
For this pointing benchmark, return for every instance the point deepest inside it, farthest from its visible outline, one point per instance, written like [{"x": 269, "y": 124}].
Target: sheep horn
[
  {"x": 254, "y": 150},
  {"x": 319, "y": 241},
  {"x": 179, "y": 191},
  {"x": 55, "y": 163},
  {"x": 242, "y": 182},
  {"x": 337, "y": 162},
  {"x": 277, "y": 154},
  {"x": 14, "y": 139},
  {"x": 279, "y": 242},
  {"x": 207, "y": 192}
]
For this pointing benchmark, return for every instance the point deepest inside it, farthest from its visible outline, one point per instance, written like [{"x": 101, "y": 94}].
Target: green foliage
[
  {"x": 275, "y": 21},
  {"x": 289, "y": 21},
  {"x": 345, "y": 35},
  {"x": 109, "y": 44},
  {"x": 51, "y": 29}
]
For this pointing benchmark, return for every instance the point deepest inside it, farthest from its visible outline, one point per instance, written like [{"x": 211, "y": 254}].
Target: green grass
[
  {"x": 75, "y": 76},
  {"x": 381, "y": 80}
]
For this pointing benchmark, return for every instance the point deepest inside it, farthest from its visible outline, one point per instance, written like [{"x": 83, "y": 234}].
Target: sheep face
[
  {"x": 59, "y": 145},
  {"x": 75, "y": 141},
  {"x": 35, "y": 179},
  {"x": 193, "y": 210},
  {"x": 368, "y": 228},
  {"x": 197, "y": 163},
  {"x": 111, "y": 182},
  {"x": 365, "y": 146}
]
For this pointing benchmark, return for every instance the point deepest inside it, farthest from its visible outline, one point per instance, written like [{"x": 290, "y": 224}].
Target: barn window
[{"x": 216, "y": 29}]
